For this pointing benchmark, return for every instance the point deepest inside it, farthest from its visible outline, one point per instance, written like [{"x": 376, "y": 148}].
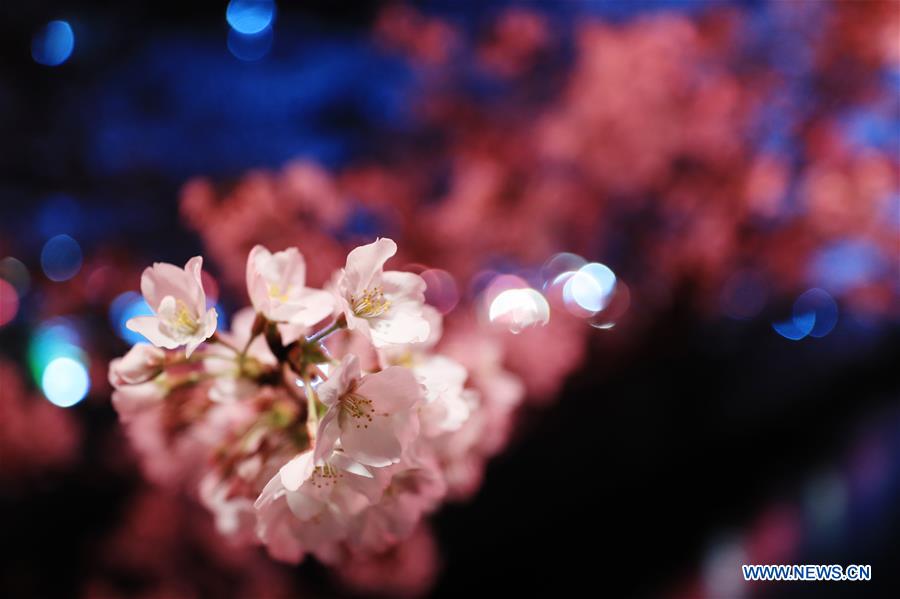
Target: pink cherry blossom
[
  {"x": 178, "y": 301},
  {"x": 410, "y": 353},
  {"x": 234, "y": 515},
  {"x": 385, "y": 306},
  {"x": 416, "y": 488},
  {"x": 306, "y": 507},
  {"x": 446, "y": 405},
  {"x": 235, "y": 374},
  {"x": 277, "y": 287},
  {"x": 373, "y": 416},
  {"x": 130, "y": 400},
  {"x": 141, "y": 364}
]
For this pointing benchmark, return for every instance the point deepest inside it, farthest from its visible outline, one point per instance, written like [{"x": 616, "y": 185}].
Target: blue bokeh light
[
  {"x": 250, "y": 16},
  {"x": 222, "y": 321},
  {"x": 65, "y": 382},
  {"x": 822, "y": 305},
  {"x": 53, "y": 44},
  {"x": 250, "y": 47},
  {"x": 61, "y": 258},
  {"x": 125, "y": 307},
  {"x": 59, "y": 214},
  {"x": 744, "y": 295},
  {"x": 847, "y": 264},
  {"x": 796, "y": 328},
  {"x": 815, "y": 314}
]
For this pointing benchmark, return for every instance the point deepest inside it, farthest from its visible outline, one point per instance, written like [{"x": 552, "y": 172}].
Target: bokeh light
[
  {"x": 826, "y": 502},
  {"x": 500, "y": 283},
  {"x": 554, "y": 291},
  {"x": 847, "y": 264},
  {"x": 797, "y": 327},
  {"x": 481, "y": 281},
  {"x": 744, "y": 295},
  {"x": 9, "y": 302},
  {"x": 518, "y": 309},
  {"x": 222, "y": 320},
  {"x": 819, "y": 302},
  {"x": 815, "y": 314},
  {"x": 250, "y": 16},
  {"x": 722, "y": 560},
  {"x": 250, "y": 47},
  {"x": 65, "y": 382},
  {"x": 16, "y": 274},
  {"x": 590, "y": 287},
  {"x": 53, "y": 44},
  {"x": 55, "y": 338},
  {"x": 559, "y": 264},
  {"x": 441, "y": 291},
  {"x": 59, "y": 213},
  {"x": 211, "y": 287},
  {"x": 61, "y": 258},
  {"x": 125, "y": 307},
  {"x": 615, "y": 308}
]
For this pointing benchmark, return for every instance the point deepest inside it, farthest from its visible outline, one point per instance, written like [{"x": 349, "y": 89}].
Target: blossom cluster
[{"x": 325, "y": 422}]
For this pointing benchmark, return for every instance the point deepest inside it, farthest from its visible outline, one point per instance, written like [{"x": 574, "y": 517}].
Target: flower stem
[
  {"x": 259, "y": 326},
  {"x": 312, "y": 413},
  {"x": 320, "y": 373},
  {"x": 338, "y": 324},
  {"x": 216, "y": 338}
]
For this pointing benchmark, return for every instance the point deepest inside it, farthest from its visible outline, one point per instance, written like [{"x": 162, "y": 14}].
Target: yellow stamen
[
  {"x": 370, "y": 304},
  {"x": 275, "y": 292},
  {"x": 184, "y": 321}
]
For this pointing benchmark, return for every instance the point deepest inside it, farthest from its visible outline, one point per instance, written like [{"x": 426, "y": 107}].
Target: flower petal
[
  {"x": 373, "y": 444},
  {"x": 256, "y": 284},
  {"x": 327, "y": 435},
  {"x": 367, "y": 261},
  {"x": 391, "y": 390},
  {"x": 407, "y": 285},
  {"x": 399, "y": 327},
  {"x": 148, "y": 326},
  {"x": 295, "y": 472}
]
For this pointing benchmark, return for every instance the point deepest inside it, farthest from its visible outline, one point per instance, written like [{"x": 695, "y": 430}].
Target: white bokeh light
[
  {"x": 65, "y": 382},
  {"x": 590, "y": 287},
  {"x": 518, "y": 309}
]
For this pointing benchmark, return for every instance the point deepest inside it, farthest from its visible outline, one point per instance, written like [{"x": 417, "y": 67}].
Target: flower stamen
[
  {"x": 184, "y": 322},
  {"x": 325, "y": 475},
  {"x": 370, "y": 304},
  {"x": 358, "y": 408},
  {"x": 275, "y": 292}
]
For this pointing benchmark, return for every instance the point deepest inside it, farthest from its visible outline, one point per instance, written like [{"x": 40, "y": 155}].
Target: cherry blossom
[
  {"x": 446, "y": 405},
  {"x": 178, "y": 301},
  {"x": 306, "y": 507},
  {"x": 416, "y": 487},
  {"x": 372, "y": 416},
  {"x": 277, "y": 287},
  {"x": 385, "y": 306},
  {"x": 282, "y": 434},
  {"x": 235, "y": 373},
  {"x": 141, "y": 364}
]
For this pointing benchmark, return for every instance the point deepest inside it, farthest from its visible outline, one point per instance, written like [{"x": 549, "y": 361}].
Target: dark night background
[{"x": 659, "y": 450}]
